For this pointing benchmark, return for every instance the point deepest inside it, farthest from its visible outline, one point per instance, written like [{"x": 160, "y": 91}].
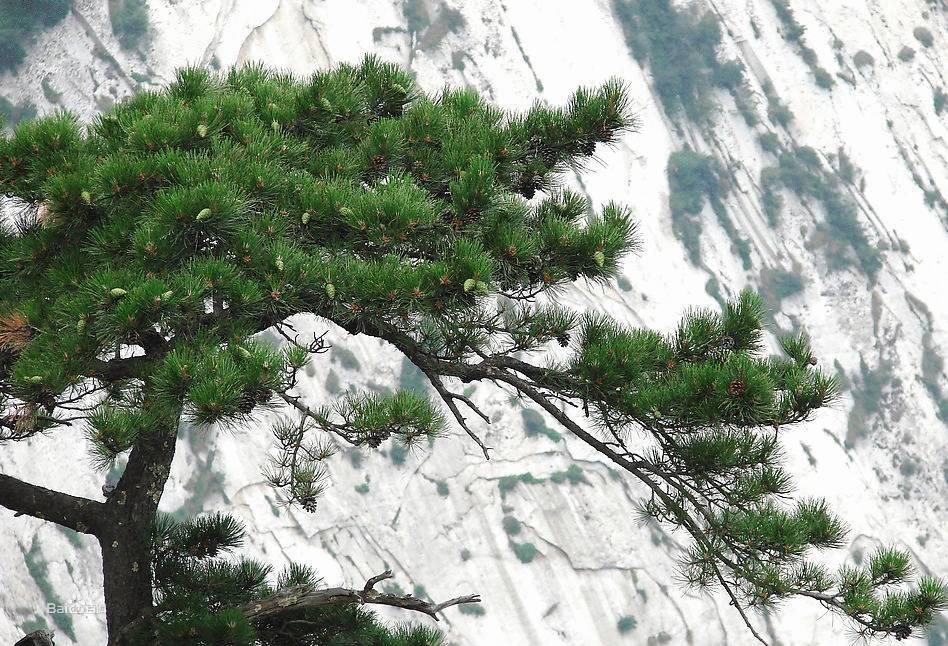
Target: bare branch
[
  {"x": 318, "y": 345},
  {"x": 471, "y": 405},
  {"x": 307, "y": 412},
  {"x": 81, "y": 514},
  {"x": 737, "y": 604},
  {"x": 449, "y": 398},
  {"x": 378, "y": 578},
  {"x": 299, "y": 598}
]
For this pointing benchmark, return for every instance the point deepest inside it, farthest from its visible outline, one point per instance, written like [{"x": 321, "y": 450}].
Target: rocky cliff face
[{"x": 842, "y": 122}]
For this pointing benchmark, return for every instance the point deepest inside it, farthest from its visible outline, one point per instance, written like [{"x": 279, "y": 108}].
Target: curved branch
[
  {"x": 532, "y": 382},
  {"x": 296, "y": 599}
]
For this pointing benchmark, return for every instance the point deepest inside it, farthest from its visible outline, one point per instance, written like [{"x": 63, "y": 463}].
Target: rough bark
[
  {"x": 37, "y": 638},
  {"x": 126, "y": 569},
  {"x": 81, "y": 514},
  {"x": 122, "y": 524},
  {"x": 126, "y": 541}
]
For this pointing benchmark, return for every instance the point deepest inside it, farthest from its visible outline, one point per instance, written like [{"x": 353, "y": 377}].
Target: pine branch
[
  {"x": 529, "y": 381},
  {"x": 293, "y": 600},
  {"x": 296, "y": 402},
  {"x": 81, "y": 514},
  {"x": 118, "y": 369},
  {"x": 404, "y": 247}
]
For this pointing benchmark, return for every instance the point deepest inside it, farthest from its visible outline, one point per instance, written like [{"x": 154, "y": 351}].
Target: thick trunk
[
  {"x": 126, "y": 566},
  {"x": 126, "y": 543}
]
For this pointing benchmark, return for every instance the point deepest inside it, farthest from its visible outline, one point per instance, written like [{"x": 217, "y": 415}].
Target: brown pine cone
[{"x": 736, "y": 388}]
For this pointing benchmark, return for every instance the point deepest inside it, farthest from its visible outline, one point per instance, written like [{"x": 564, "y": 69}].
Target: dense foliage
[
  {"x": 187, "y": 220},
  {"x": 198, "y": 589}
]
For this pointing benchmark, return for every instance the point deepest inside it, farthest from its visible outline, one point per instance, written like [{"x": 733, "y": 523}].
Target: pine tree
[{"x": 150, "y": 248}]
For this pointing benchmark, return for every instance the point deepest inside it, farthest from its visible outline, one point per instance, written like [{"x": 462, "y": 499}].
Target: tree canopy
[{"x": 150, "y": 248}]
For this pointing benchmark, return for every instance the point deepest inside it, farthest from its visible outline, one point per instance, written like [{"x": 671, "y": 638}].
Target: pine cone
[
  {"x": 548, "y": 157},
  {"x": 563, "y": 340},
  {"x": 471, "y": 214},
  {"x": 375, "y": 439},
  {"x": 902, "y": 632},
  {"x": 247, "y": 402},
  {"x": 528, "y": 187},
  {"x": 737, "y": 387}
]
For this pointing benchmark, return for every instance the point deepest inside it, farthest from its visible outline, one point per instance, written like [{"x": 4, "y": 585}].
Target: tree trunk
[
  {"x": 126, "y": 566},
  {"x": 126, "y": 541}
]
